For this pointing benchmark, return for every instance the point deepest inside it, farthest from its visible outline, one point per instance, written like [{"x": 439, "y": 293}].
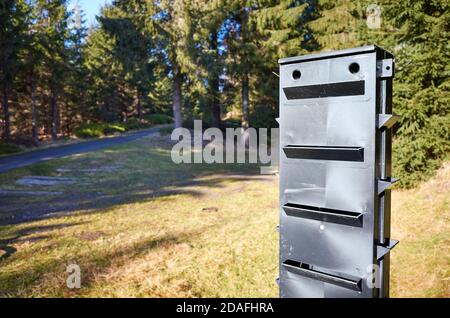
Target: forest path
[{"x": 28, "y": 158}]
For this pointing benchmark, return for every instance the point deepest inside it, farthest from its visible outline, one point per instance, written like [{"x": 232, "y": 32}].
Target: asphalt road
[{"x": 28, "y": 158}]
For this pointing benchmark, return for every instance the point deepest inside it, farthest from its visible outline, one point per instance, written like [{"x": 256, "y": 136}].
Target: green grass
[
  {"x": 147, "y": 227},
  {"x": 166, "y": 130},
  {"x": 95, "y": 130},
  {"x": 8, "y": 148},
  {"x": 159, "y": 119}
]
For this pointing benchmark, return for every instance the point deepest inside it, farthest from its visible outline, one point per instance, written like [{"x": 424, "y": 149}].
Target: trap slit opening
[{"x": 308, "y": 271}]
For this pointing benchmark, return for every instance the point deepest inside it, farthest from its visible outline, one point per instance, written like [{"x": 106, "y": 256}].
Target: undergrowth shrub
[{"x": 8, "y": 148}]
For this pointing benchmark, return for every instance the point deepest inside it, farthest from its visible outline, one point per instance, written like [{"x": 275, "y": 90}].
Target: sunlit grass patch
[{"x": 421, "y": 221}]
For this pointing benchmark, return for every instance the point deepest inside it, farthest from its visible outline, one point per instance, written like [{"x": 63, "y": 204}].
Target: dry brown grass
[{"x": 421, "y": 221}]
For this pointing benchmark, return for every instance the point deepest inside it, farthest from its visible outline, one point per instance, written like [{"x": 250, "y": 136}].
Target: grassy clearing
[{"x": 139, "y": 226}]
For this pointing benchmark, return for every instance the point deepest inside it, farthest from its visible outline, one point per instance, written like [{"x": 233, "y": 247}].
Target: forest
[{"x": 147, "y": 62}]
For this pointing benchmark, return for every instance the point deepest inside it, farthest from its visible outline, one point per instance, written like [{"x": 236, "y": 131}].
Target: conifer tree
[
  {"x": 173, "y": 32},
  {"x": 32, "y": 66},
  {"x": 417, "y": 33},
  {"x": 335, "y": 24},
  {"x": 259, "y": 33},
  {"x": 106, "y": 74},
  {"x": 53, "y": 19},
  {"x": 133, "y": 46},
  {"x": 78, "y": 85},
  {"x": 13, "y": 34},
  {"x": 209, "y": 17}
]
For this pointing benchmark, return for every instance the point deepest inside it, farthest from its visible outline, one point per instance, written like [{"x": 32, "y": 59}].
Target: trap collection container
[{"x": 335, "y": 173}]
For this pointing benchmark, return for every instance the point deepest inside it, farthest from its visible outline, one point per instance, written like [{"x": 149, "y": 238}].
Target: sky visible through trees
[{"x": 91, "y": 8}]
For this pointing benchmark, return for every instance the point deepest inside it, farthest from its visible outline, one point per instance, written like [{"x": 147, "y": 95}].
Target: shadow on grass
[
  {"x": 156, "y": 176},
  {"x": 8, "y": 251},
  {"x": 91, "y": 266},
  {"x": 18, "y": 236}
]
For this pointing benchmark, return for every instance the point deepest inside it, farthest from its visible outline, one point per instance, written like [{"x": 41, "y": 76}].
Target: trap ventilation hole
[
  {"x": 353, "y": 68},
  {"x": 296, "y": 74}
]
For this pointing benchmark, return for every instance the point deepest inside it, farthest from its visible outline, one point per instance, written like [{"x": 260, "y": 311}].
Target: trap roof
[{"x": 325, "y": 55}]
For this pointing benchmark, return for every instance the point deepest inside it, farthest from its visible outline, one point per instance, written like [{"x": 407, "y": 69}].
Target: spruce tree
[
  {"x": 53, "y": 19},
  {"x": 209, "y": 17},
  {"x": 335, "y": 24},
  {"x": 258, "y": 34},
  {"x": 133, "y": 46},
  {"x": 78, "y": 85},
  {"x": 106, "y": 75},
  {"x": 33, "y": 66},
  {"x": 13, "y": 35},
  {"x": 173, "y": 31},
  {"x": 417, "y": 33}
]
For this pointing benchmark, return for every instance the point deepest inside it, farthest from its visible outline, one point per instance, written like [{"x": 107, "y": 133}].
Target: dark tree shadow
[
  {"x": 18, "y": 236},
  {"x": 100, "y": 261}
]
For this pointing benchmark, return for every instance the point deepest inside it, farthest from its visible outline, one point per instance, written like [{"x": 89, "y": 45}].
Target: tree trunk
[
  {"x": 245, "y": 102},
  {"x": 216, "y": 111},
  {"x": 139, "y": 104},
  {"x": 6, "y": 115},
  {"x": 82, "y": 107},
  {"x": 68, "y": 119},
  {"x": 214, "y": 86},
  {"x": 34, "y": 133},
  {"x": 244, "y": 70},
  {"x": 55, "y": 115},
  {"x": 177, "y": 99}
]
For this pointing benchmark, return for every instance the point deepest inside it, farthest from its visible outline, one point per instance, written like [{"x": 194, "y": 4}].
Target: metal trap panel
[{"x": 335, "y": 166}]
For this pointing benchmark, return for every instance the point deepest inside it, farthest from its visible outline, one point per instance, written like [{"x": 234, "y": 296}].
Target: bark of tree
[
  {"x": 177, "y": 99},
  {"x": 82, "y": 107},
  {"x": 244, "y": 70},
  {"x": 245, "y": 102},
  {"x": 55, "y": 115},
  {"x": 214, "y": 84},
  {"x": 34, "y": 133},
  {"x": 139, "y": 104},
  {"x": 6, "y": 115}
]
